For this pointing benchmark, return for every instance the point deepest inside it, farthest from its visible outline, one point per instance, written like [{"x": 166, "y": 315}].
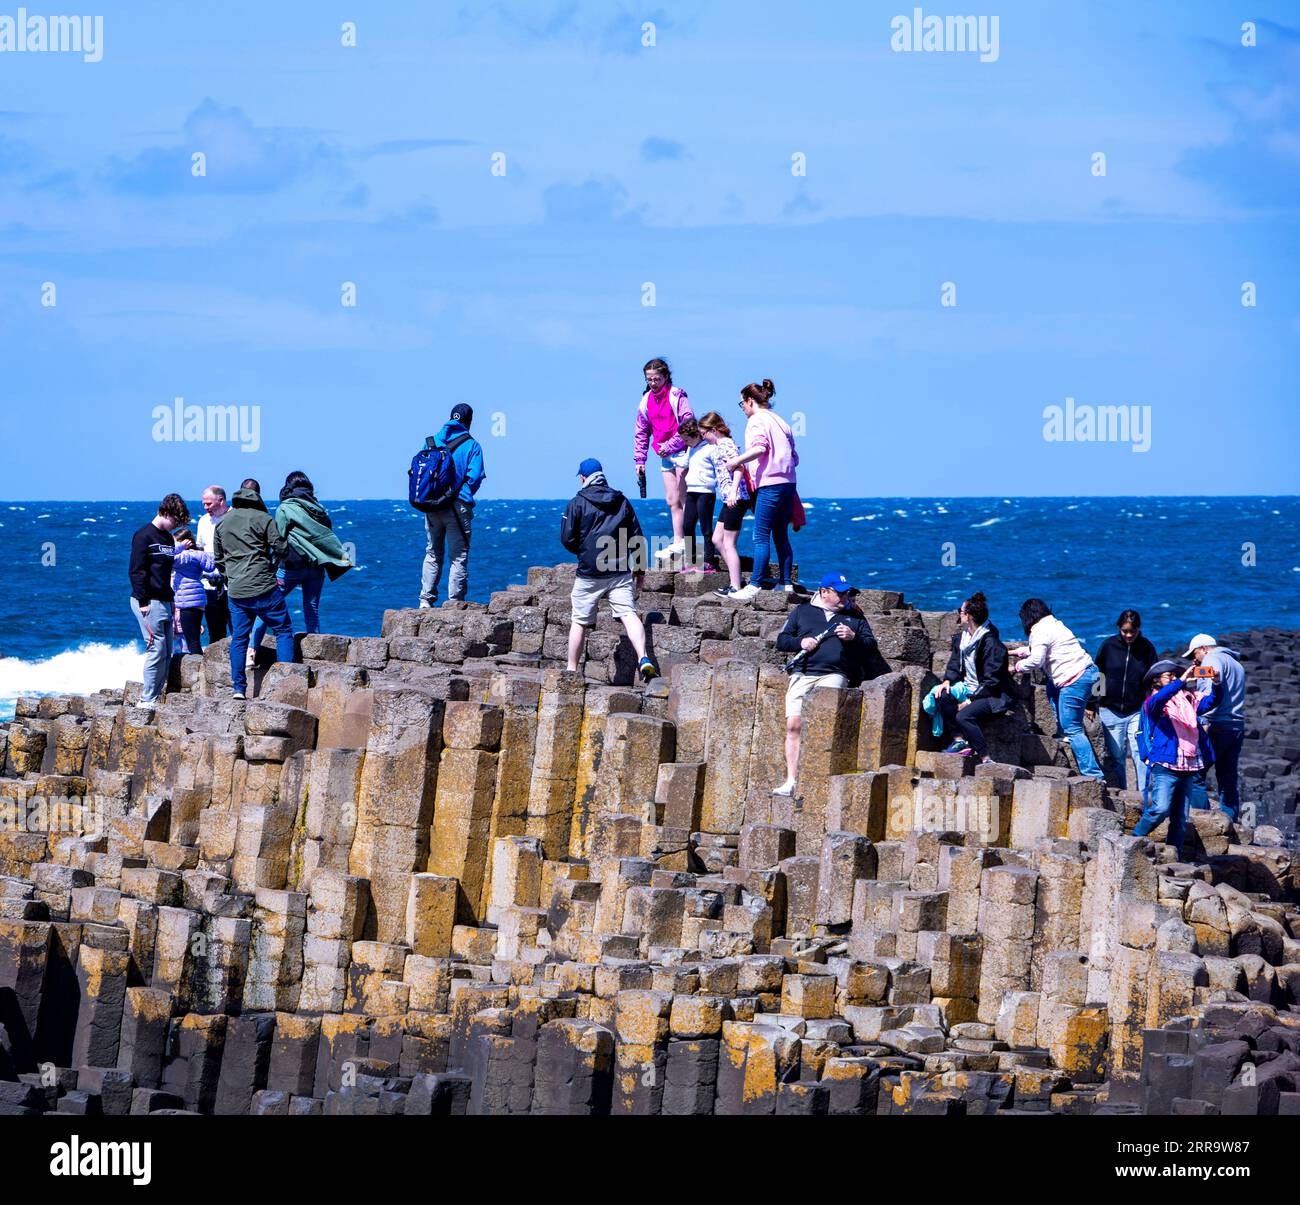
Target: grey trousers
[
  {"x": 156, "y": 629},
  {"x": 448, "y": 535}
]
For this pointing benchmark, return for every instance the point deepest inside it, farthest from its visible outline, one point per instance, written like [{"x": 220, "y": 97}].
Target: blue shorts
[{"x": 671, "y": 464}]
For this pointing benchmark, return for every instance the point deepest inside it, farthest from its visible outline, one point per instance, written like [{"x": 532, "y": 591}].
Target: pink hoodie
[
  {"x": 772, "y": 433},
  {"x": 666, "y": 441}
]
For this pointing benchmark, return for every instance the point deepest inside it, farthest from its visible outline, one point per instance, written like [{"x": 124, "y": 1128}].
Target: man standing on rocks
[
  {"x": 151, "y": 592},
  {"x": 600, "y": 526},
  {"x": 1226, "y": 723},
  {"x": 217, "y": 610},
  {"x": 831, "y": 640},
  {"x": 448, "y": 527},
  {"x": 247, "y": 547}
]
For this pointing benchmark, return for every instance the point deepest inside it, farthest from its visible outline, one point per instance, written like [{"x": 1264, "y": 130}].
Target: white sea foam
[
  {"x": 78, "y": 671},
  {"x": 988, "y": 522}
]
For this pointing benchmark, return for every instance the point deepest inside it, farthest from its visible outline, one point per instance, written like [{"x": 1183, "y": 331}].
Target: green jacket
[
  {"x": 247, "y": 545},
  {"x": 306, "y": 527}
]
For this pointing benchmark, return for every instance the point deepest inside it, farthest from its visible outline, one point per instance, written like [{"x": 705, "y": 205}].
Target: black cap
[{"x": 463, "y": 414}]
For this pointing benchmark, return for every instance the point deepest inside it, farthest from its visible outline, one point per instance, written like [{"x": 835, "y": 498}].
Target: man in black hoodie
[
  {"x": 1123, "y": 660},
  {"x": 600, "y": 526},
  {"x": 247, "y": 546},
  {"x": 832, "y": 642},
  {"x": 151, "y": 592}
]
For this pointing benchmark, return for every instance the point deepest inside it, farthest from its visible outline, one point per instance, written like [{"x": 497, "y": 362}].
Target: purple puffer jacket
[{"x": 188, "y": 567}]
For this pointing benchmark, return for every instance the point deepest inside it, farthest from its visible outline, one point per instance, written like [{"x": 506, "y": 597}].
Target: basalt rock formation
[{"x": 433, "y": 872}]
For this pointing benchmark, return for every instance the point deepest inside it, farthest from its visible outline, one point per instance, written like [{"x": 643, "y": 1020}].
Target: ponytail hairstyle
[
  {"x": 977, "y": 607},
  {"x": 713, "y": 421},
  {"x": 760, "y": 395},
  {"x": 662, "y": 366},
  {"x": 1033, "y": 610}
]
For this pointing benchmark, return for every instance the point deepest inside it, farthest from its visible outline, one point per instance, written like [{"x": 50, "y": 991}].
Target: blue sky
[{"x": 624, "y": 164}]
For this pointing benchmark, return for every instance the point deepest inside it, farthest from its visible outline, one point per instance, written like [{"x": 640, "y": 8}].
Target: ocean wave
[
  {"x": 987, "y": 522},
  {"x": 83, "y": 670}
]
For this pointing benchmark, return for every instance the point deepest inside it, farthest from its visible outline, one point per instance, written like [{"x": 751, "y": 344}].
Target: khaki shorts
[
  {"x": 801, "y": 684},
  {"x": 588, "y": 591}
]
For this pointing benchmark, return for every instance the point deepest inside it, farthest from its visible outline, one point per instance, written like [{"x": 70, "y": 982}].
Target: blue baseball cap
[
  {"x": 837, "y": 582},
  {"x": 589, "y": 466}
]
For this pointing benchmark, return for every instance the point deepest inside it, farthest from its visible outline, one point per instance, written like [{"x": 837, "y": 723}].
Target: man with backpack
[{"x": 444, "y": 477}]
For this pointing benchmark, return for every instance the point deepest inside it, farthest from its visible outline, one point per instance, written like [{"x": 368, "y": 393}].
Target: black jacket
[
  {"x": 1123, "y": 667},
  {"x": 833, "y": 656},
  {"x": 990, "y": 668},
  {"x": 600, "y": 526},
  {"x": 151, "y": 568}
]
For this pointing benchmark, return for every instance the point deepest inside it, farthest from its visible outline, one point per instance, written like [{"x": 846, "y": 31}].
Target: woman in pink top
[
  {"x": 663, "y": 406},
  {"x": 770, "y": 443}
]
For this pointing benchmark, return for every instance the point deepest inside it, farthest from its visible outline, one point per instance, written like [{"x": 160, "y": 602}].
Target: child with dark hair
[
  {"x": 189, "y": 564},
  {"x": 976, "y": 683}
]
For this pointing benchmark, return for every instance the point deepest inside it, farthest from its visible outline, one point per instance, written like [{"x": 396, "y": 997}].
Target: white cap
[{"x": 1203, "y": 641}]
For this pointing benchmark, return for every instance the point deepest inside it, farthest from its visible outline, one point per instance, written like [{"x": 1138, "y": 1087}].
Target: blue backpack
[{"x": 431, "y": 479}]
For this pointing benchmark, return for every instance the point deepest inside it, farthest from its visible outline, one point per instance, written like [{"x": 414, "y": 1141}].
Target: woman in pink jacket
[{"x": 663, "y": 406}]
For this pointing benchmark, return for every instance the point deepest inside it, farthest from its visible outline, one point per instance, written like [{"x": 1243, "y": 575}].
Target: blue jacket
[
  {"x": 1162, "y": 743},
  {"x": 467, "y": 459}
]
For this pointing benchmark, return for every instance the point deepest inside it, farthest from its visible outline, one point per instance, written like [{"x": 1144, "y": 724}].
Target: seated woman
[
  {"x": 1177, "y": 750},
  {"x": 979, "y": 662}
]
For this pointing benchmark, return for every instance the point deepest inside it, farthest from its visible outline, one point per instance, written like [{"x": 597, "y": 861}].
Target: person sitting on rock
[
  {"x": 1176, "y": 747},
  {"x": 600, "y": 526},
  {"x": 832, "y": 641},
  {"x": 979, "y": 661}
]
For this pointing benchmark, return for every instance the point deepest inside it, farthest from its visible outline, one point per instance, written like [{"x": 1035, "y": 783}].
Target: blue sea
[{"x": 1187, "y": 564}]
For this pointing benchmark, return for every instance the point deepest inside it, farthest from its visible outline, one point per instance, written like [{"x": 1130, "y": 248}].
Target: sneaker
[
  {"x": 239, "y": 694},
  {"x": 148, "y": 704},
  {"x": 786, "y": 589},
  {"x": 425, "y": 606},
  {"x": 648, "y": 669},
  {"x": 727, "y": 591},
  {"x": 785, "y": 789},
  {"x": 666, "y": 554},
  {"x": 968, "y": 752},
  {"x": 745, "y": 593},
  {"x": 960, "y": 745},
  {"x": 709, "y": 569}
]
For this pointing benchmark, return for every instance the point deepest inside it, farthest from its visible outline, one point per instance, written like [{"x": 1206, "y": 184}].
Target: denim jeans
[
  {"x": 269, "y": 607},
  {"x": 1070, "y": 702},
  {"x": 448, "y": 531},
  {"x": 156, "y": 629},
  {"x": 1170, "y": 796},
  {"x": 312, "y": 580},
  {"x": 1226, "y": 741},
  {"x": 772, "y": 507},
  {"x": 1121, "y": 732}
]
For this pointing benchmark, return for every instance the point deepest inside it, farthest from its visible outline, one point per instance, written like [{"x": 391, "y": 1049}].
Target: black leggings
[
  {"x": 699, "y": 509},
  {"x": 191, "y": 627},
  {"x": 966, "y": 721}
]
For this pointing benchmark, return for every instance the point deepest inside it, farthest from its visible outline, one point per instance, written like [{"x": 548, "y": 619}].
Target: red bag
[{"x": 798, "y": 517}]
